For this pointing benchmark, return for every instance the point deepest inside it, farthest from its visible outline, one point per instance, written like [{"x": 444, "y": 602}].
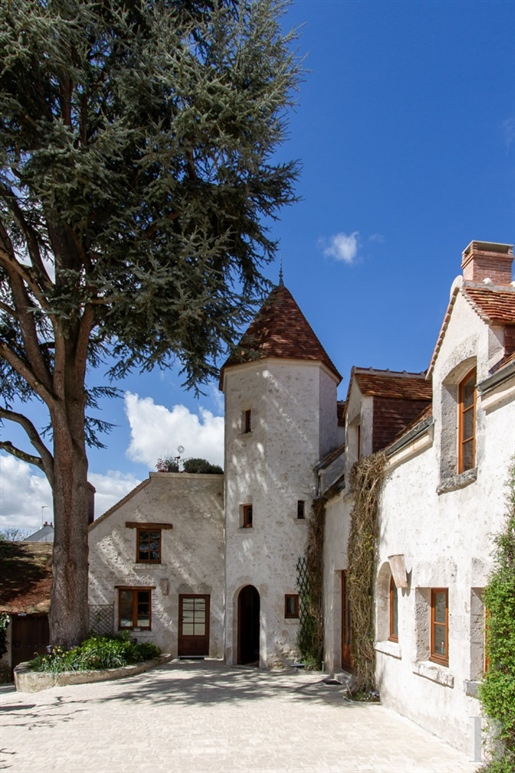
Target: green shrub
[
  {"x": 96, "y": 653},
  {"x": 497, "y": 691}
]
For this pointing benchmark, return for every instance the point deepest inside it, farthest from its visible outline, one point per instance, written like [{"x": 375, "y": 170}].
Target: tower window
[
  {"x": 467, "y": 423},
  {"x": 247, "y": 421},
  {"x": 291, "y": 605},
  {"x": 301, "y": 508},
  {"x": 246, "y": 516}
]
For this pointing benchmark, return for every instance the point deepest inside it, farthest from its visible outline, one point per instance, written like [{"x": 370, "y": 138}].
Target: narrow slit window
[
  {"x": 440, "y": 626},
  {"x": 467, "y": 423},
  {"x": 394, "y": 612},
  {"x": 246, "y": 519},
  {"x": 301, "y": 509},
  {"x": 247, "y": 421}
]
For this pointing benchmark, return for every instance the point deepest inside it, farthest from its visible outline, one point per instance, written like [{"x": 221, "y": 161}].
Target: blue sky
[{"x": 405, "y": 128}]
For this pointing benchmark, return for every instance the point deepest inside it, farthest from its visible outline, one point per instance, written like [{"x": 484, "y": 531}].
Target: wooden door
[
  {"x": 29, "y": 638},
  {"x": 193, "y": 625},
  {"x": 346, "y": 625}
]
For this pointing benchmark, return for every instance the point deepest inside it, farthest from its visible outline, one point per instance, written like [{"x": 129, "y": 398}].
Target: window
[
  {"x": 134, "y": 609},
  {"x": 301, "y": 508},
  {"x": 246, "y": 516},
  {"x": 467, "y": 422},
  {"x": 291, "y": 605},
  {"x": 394, "y": 612},
  {"x": 440, "y": 626},
  {"x": 148, "y": 542},
  {"x": 247, "y": 421}
]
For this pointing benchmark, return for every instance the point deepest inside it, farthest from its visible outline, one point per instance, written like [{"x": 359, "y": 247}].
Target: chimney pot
[{"x": 487, "y": 260}]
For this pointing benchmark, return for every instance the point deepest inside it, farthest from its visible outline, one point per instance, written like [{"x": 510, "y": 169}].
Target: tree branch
[
  {"x": 26, "y": 373},
  {"x": 30, "y": 234},
  {"x": 6, "y": 445},
  {"x": 45, "y": 461}
]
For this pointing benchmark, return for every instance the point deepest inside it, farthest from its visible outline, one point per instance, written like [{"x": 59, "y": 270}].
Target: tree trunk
[{"x": 69, "y": 600}]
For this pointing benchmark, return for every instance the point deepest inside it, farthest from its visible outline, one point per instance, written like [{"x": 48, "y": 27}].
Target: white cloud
[
  {"x": 378, "y": 238},
  {"x": 110, "y": 488},
  {"x": 343, "y": 247},
  {"x": 508, "y": 129},
  {"x": 157, "y": 431},
  {"x": 26, "y": 497},
  {"x": 23, "y": 494}
]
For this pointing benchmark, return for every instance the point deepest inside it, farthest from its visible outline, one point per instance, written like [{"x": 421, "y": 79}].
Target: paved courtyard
[{"x": 205, "y": 717}]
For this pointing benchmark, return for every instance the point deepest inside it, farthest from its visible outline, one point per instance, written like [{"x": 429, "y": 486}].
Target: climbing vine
[
  {"x": 310, "y": 639},
  {"x": 497, "y": 691},
  {"x": 366, "y": 480},
  {"x": 4, "y": 622}
]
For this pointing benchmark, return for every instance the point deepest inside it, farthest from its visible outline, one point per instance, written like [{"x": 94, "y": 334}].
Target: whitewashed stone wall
[
  {"x": 192, "y": 552},
  {"x": 293, "y": 406}
]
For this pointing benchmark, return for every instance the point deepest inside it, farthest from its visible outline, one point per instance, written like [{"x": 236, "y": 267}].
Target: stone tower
[{"x": 280, "y": 420}]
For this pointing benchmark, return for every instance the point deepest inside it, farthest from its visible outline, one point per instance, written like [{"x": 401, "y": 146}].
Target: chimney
[{"x": 487, "y": 260}]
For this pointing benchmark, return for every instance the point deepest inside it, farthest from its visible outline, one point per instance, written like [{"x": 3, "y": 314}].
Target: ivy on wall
[
  {"x": 497, "y": 691},
  {"x": 366, "y": 481}
]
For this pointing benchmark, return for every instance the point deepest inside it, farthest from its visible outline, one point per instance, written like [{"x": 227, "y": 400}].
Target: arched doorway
[{"x": 248, "y": 626}]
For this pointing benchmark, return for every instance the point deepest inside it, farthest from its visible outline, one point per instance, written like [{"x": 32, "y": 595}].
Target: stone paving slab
[{"x": 205, "y": 717}]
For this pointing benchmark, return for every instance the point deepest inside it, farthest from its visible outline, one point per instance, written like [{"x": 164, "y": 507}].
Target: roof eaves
[
  {"x": 120, "y": 503},
  {"x": 443, "y": 329},
  {"x": 415, "y": 432},
  {"x": 503, "y": 374}
]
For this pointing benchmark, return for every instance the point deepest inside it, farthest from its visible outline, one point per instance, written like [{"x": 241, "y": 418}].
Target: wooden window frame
[
  {"x": 462, "y": 441},
  {"x": 437, "y": 657},
  {"x": 135, "y": 592},
  {"x": 301, "y": 509},
  {"x": 247, "y": 516},
  {"x": 247, "y": 421},
  {"x": 288, "y": 613},
  {"x": 140, "y": 560},
  {"x": 393, "y": 608}
]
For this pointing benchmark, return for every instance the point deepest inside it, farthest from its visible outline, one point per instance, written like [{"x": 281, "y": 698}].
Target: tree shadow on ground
[{"x": 188, "y": 684}]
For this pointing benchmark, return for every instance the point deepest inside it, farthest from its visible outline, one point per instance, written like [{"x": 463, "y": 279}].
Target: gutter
[
  {"x": 497, "y": 378},
  {"x": 409, "y": 437}
]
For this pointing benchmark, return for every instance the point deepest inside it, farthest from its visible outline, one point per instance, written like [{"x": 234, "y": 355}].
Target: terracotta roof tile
[
  {"x": 493, "y": 304},
  {"x": 26, "y": 571},
  {"x": 279, "y": 330},
  {"x": 393, "y": 384}
]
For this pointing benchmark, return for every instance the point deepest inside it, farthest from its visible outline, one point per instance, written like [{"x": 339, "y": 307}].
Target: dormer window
[{"x": 467, "y": 422}]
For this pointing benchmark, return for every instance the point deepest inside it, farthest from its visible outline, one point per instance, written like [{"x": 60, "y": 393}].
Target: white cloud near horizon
[
  {"x": 157, "y": 431},
  {"x": 26, "y": 497},
  {"x": 342, "y": 247}
]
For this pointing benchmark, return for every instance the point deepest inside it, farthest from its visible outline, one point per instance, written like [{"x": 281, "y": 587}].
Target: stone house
[{"x": 208, "y": 565}]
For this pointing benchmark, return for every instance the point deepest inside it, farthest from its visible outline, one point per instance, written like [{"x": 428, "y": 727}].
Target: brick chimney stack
[{"x": 487, "y": 260}]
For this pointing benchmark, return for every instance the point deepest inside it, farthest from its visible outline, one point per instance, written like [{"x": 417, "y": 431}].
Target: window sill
[
  {"x": 438, "y": 674},
  {"x": 456, "y": 482},
  {"x": 388, "y": 647},
  {"x": 144, "y": 566}
]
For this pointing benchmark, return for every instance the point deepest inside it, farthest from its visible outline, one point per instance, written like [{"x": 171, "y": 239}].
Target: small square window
[
  {"x": 246, "y": 516},
  {"x": 134, "y": 609},
  {"x": 301, "y": 509},
  {"x": 291, "y": 605},
  {"x": 148, "y": 546},
  {"x": 247, "y": 421}
]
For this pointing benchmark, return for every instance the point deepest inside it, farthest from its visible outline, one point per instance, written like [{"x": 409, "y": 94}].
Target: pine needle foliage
[
  {"x": 497, "y": 690},
  {"x": 138, "y": 172},
  {"x": 366, "y": 481}
]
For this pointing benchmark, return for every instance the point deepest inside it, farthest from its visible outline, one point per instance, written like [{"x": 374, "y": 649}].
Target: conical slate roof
[{"x": 282, "y": 331}]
